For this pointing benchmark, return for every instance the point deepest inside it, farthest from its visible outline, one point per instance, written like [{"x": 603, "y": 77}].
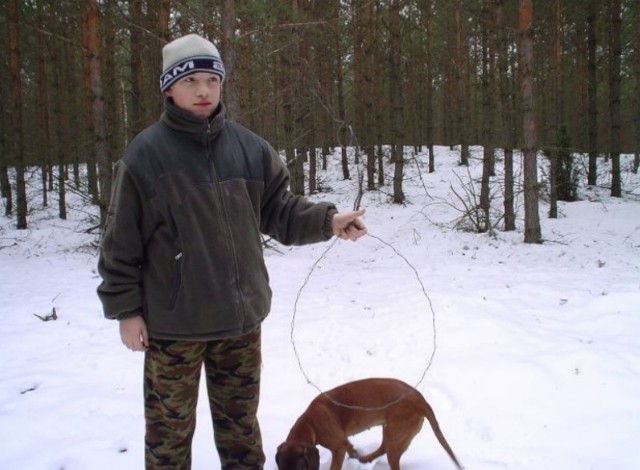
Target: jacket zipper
[{"x": 225, "y": 220}]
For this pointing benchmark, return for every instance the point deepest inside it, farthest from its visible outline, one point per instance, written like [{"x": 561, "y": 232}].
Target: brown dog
[{"x": 351, "y": 408}]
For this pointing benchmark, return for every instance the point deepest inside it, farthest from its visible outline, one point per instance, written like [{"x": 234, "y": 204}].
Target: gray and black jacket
[{"x": 182, "y": 243}]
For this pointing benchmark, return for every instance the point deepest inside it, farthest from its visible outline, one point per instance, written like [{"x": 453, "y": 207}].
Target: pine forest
[{"x": 545, "y": 79}]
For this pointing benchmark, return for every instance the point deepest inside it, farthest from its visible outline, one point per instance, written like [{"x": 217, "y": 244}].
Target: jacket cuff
[
  {"x": 126, "y": 315},
  {"x": 327, "y": 229}
]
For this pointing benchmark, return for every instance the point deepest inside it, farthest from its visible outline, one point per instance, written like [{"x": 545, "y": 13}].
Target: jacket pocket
[{"x": 177, "y": 280}]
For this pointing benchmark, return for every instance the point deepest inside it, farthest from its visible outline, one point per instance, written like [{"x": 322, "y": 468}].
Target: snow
[{"x": 529, "y": 354}]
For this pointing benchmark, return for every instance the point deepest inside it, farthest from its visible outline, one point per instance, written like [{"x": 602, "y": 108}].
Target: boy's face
[{"x": 198, "y": 93}]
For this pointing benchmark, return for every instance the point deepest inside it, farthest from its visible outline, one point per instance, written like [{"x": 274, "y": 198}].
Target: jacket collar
[{"x": 197, "y": 128}]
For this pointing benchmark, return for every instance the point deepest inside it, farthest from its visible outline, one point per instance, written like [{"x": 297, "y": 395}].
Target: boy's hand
[
  {"x": 133, "y": 333},
  {"x": 349, "y": 225}
]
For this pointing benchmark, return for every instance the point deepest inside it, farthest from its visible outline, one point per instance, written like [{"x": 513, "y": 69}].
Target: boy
[{"x": 181, "y": 258}]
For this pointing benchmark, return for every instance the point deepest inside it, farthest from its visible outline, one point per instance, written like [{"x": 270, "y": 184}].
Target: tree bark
[
  {"x": 461, "y": 99},
  {"x": 428, "y": 14},
  {"x": 113, "y": 95},
  {"x": 229, "y": 56},
  {"x": 532, "y": 233},
  {"x": 290, "y": 63},
  {"x": 592, "y": 87},
  {"x": 90, "y": 12},
  {"x": 368, "y": 93},
  {"x": 164, "y": 36},
  {"x": 378, "y": 90},
  {"x": 396, "y": 91},
  {"x": 5, "y": 185},
  {"x": 136, "y": 100},
  {"x": 615, "y": 55},
  {"x": 5, "y": 152},
  {"x": 43, "y": 97},
  {"x": 58, "y": 98},
  {"x": 555, "y": 108},
  {"x": 327, "y": 77},
  {"x": 155, "y": 34},
  {"x": 15, "y": 106},
  {"x": 507, "y": 124},
  {"x": 343, "y": 131},
  {"x": 636, "y": 91},
  {"x": 488, "y": 111}
]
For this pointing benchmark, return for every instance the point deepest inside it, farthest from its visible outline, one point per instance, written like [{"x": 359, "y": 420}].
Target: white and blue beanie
[{"x": 186, "y": 55}]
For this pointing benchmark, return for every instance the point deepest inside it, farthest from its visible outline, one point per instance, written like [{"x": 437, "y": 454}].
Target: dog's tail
[{"x": 431, "y": 417}]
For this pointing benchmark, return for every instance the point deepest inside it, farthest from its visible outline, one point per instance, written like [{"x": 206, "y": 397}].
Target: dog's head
[{"x": 297, "y": 456}]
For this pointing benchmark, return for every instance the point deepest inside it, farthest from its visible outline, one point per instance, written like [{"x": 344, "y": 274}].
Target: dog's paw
[{"x": 366, "y": 459}]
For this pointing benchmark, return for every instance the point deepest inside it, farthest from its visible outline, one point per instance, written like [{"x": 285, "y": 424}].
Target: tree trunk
[
  {"x": 5, "y": 152},
  {"x": 359, "y": 70},
  {"x": 58, "y": 98},
  {"x": 556, "y": 108},
  {"x": 397, "y": 100},
  {"x": 492, "y": 76},
  {"x": 428, "y": 16},
  {"x": 313, "y": 170},
  {"x": 326, "y": 87},
  {"x": 229, "y": 56},
  {"x": 592, "y": 87},
  {"x": 316, "y": 65},
  {"x": 155, "y": 34},
  {"x": 532, "y": 232},
  {"x": 305, "y": 117},
  {"x": 5, "y": 189},
  {"x": 112, "y": 93},
  {"x": 15, "y": 108},
  {"x": 507, "y": 125},
  {"x": 615, "y": 56},
  {"x": 43, "y": 97},
  {"x": 72, "y": 97},
  {"x": 164, "y": 36},
  {"x": 91, "y": 47},
  {"x": 449, "y": 102},
  {"x": 368, "y": 98},
  {"x": 488, "y": 111},
  {"x": 290, "y": 63},
  {"x": 485, "y": 200},
  {"x": 136, "y": 101},
  {"x": 461, "y": 100},
  {"x": 378, "y": 90},
  {"x": 342, "y": 113},
  {"x": 636, "y": 91}
]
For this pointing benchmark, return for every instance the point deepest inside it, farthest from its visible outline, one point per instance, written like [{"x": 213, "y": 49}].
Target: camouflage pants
[{"x": 171, "y": 379}]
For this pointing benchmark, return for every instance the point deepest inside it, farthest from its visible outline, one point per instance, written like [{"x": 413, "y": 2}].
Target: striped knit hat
[{"x": 186, "y": 55}]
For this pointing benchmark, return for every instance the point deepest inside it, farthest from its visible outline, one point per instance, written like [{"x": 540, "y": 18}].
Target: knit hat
[{"x": 187, "y": 55}]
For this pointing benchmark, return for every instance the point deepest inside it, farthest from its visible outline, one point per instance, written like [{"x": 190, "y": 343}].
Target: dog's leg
[
  {"x": 351, "y": 451},
  {"x": 395, "y": 451},
  {"x": 379, "y": 452},
  {"x": 396, "y": 438},
  {"x": 337, "y": 458}
]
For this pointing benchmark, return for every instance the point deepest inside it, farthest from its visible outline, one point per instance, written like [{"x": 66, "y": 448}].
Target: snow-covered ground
[{"x": 529, "y": 354}]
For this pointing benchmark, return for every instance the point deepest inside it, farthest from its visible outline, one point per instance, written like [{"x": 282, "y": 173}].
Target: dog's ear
[{"x": 312, "y": 457}]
